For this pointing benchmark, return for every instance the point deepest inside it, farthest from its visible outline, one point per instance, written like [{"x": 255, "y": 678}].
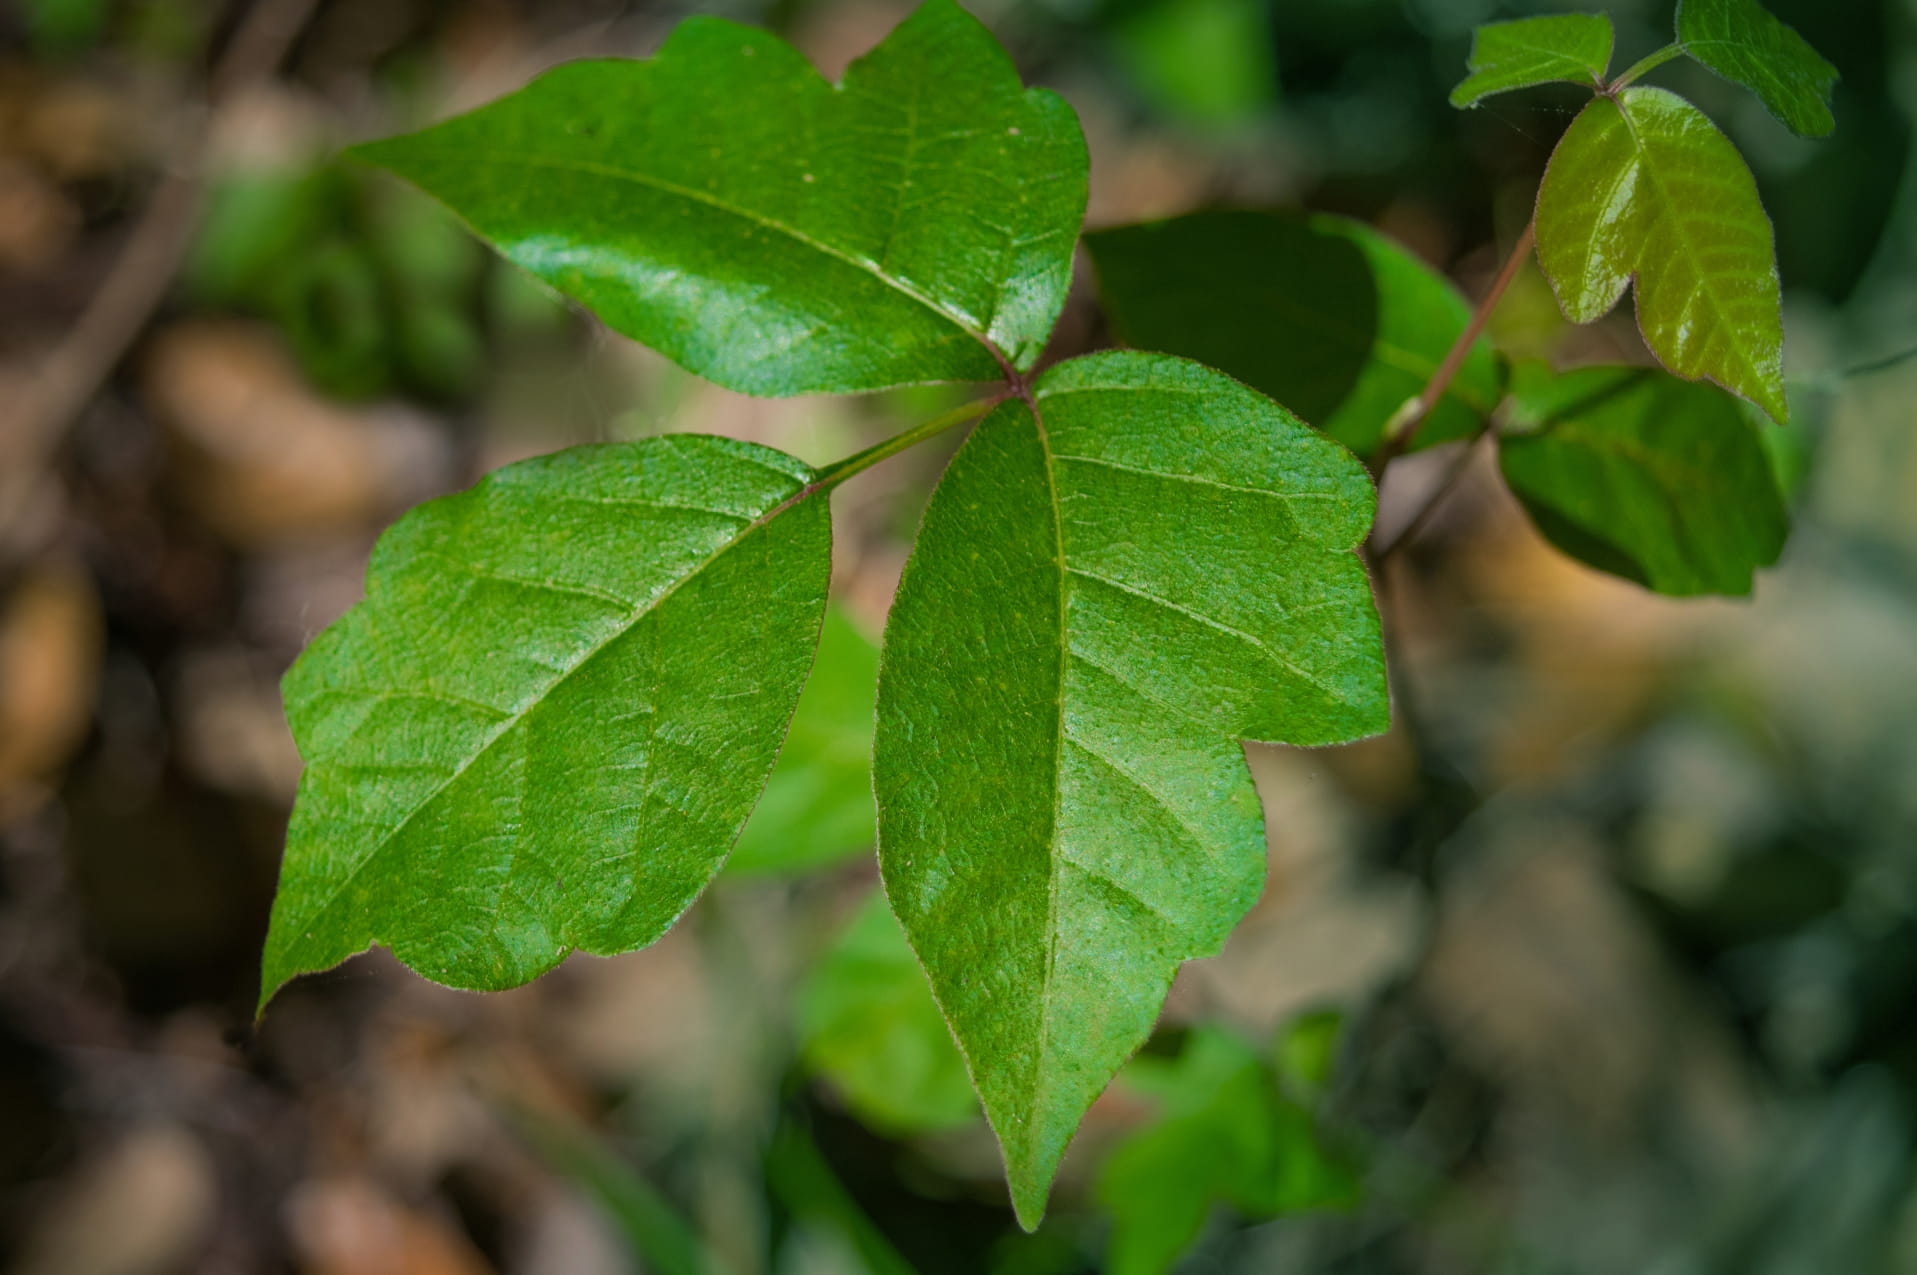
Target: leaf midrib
[
  {"x": 1058, "y": 754},
  {"x": 1682, "y": 232},
  {"x": 1599, "y": 220},
  {"x": 964, "y": 323},
  {"x": 1056, "y": 863},
  {"x": 512, "y": 719}
]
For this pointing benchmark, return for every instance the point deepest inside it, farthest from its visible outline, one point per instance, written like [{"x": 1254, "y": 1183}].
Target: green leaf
[
  {"x": 1644, "y": 186},
  {"x": 805, "y": 1183},
  {"x": 1794, "y": 449},
  {"x": 549, "y": 718},
  {"x": 1206, "y": 62},
  {"x": 1326, "y": 315},
  {"x": 60, "y": 29},
  {"x": 817, "y": 807},
  {"x": 1113, "y": 584},
  {"x": 1640, "y": 474},
  {"x": 1744, "y": 43},
  {"x": 255, "y": 225},
  {"x": 329, "y": 304},
  {"x": 1308, "y": 1051},
  {"x": 1571, "y": 47},
  {"x": 725, "y": 205},
  {"x": 1224, "y": 1135},
  {"x": 868, "y": 1024}
]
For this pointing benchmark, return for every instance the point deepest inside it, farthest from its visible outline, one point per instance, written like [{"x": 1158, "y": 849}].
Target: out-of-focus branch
[{"x": 71, "y": 373}]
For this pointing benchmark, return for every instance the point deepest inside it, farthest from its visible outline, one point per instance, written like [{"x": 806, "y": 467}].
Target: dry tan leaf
[
  {"x": 50, "y": 640},
  {"x": 37, "y": 222},
  {"x": 263, "y": 459},
  {"x": 349, "y": 1226},
  {"x": 142, "y": 1207},
  {"x": 77, "y": 130}
]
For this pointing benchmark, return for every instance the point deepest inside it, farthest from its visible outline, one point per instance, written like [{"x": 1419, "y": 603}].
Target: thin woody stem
[{"x": 1404, "y": 427}]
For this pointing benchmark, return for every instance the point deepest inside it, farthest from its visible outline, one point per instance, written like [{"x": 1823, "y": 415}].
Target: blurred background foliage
[{"x": 1604, "y": 961}]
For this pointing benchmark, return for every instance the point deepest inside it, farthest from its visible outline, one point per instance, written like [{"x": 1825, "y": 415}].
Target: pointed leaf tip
[
  {"x": 1065, "y": 813},
  {"x": 491, "y": 780}
]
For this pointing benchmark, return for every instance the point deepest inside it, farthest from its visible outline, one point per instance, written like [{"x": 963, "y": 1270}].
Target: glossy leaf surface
[
  {"x": 1744, "y": 43},
  {"x": 1644, "y": 187},
  {"x": 1640, "y": 474},
  {"x": 817, "y": 807},
  {"x": 1334, "y": 320},
  {"x": 1573, "y": 47},
  {"x": 1108, "y": 592},
  {"x": 725, "y": 205},
  {"x": 545, "y": 725},
  {"x": 1225, "y": 1134},
  {"x": 868, "y": 1024}
]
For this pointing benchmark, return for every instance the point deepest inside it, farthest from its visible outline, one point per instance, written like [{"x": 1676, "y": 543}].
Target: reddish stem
[{"x": 1403, "y": 428}]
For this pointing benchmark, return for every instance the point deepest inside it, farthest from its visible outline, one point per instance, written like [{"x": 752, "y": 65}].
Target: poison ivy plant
[
  {"x": 1572, "y": 47},
  {"x": 1645, "y": 476},
  {"x": 1324, "y": 314},
  {"x": 1643, "y": 188},
  {"x": 546, "y": 725}
]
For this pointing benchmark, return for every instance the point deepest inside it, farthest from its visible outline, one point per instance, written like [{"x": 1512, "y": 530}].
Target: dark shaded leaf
[
  {"x": 1744, "y": 43},
  {"x": 1326, "y": 315},
  {"x": 1646, "y": 476}
]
